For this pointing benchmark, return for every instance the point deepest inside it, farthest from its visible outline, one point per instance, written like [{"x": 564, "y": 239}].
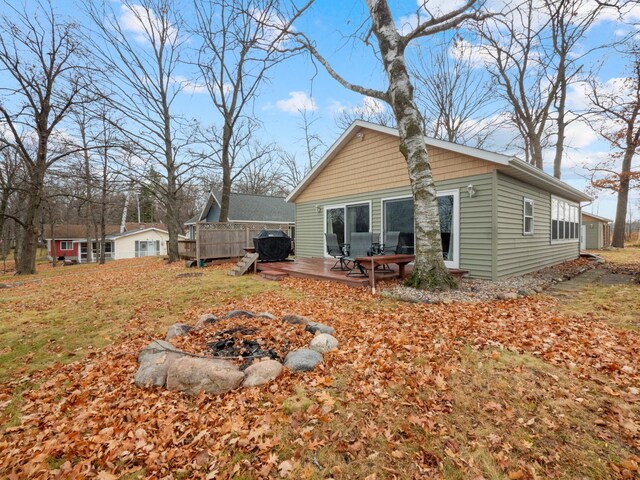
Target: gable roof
[
  {"x": 596, "y": 217},
  {"x": 244, "y": 207},
  {"x": 74, "y": 231},
  {"x": 509, "y": 164}
]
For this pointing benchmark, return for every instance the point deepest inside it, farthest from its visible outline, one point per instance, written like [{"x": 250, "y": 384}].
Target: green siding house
[
  {"x": 499, "y": 215},
  {"x": 595, "y": 232}
]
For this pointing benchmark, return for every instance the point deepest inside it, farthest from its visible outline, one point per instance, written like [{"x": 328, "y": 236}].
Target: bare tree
[
  {"x": 239, "y": 47},
  {"x": 430, "y": 270},
  {"x": 10, "y": 182},
  {"x": 534, "y": 58},
  {"x": 452, "y": 92},
  {"x": 139, "y": 49},
  {"x": 371, "y": 110},
  {"x": 618, "y": 112},
  {"x": 41, "y": 58},
  {"x": 292, "y": 172},
  {"x": 262, "y": 177},
  {"x": 311, "y": 141},
  {"x": 243, "y": 150},
  {"x": 570, "y": 20}
]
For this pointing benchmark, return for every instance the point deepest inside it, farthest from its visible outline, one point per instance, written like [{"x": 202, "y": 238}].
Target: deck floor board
[{"x": 320, "y": 269}]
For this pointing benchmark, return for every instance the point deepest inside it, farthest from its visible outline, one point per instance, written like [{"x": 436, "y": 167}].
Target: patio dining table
[{"x": 371, "y": 262}]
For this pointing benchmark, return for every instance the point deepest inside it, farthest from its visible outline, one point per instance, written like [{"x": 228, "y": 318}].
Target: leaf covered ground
[{"x": 514, "y": 389}]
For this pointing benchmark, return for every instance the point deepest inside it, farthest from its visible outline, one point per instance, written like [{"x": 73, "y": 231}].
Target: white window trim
[
  {"x": 455, "y": 263},
  {"x": 65, "y": 242},
  {"x": 563, "y": 240},
  {"x": 344, "y": 207},
  {"x": 526, "y": 200}
]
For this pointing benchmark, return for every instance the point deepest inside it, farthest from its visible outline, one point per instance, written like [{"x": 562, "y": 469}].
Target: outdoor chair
[
  {"x": 336, "y": 251},
  {"x": 360, "y": 246},
  {"x": 391, "y": 244}
]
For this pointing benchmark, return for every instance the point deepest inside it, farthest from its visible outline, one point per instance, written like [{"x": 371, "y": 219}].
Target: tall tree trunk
[
  {"x": 173, "y": 223},
  {"x": 125, "y": 209},
  {"x": 27, "y": 250},
  {"x": 90, "y": 220},
  {"x": 173, "y": 226},
  {"x": 429, "y": 270},
  {"x": 54, "y": 253},
  {"x": 623, "y": 199},
  {"x": 226, "y": 173},
  {"x": 560, "y": 122}
]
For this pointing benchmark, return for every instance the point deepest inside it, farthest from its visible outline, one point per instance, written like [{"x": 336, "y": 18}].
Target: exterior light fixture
[{"x": 472, "y": 191}]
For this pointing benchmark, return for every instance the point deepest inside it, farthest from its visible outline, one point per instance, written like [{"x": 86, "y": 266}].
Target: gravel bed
[{"x": 476, "y": 290}]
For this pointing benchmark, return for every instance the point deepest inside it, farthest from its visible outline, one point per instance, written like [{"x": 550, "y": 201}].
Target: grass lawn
[{"x": 518, "y": 389}]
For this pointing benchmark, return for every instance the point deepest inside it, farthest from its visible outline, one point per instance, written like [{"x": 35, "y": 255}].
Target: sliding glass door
[
  {"x": 334, "y": 222},
  {"x": 343, "y": 220},
  {"x": 398, "y": 216}
]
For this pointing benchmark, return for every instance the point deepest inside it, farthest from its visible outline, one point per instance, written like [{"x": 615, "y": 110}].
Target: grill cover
[{"x": 272, "y": 245}]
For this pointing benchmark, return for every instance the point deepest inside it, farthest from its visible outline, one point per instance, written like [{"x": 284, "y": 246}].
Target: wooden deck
[{"x": 320, "y": 269}]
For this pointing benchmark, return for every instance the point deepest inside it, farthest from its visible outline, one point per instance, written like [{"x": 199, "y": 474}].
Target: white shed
[{"x": 146, "y": 242}]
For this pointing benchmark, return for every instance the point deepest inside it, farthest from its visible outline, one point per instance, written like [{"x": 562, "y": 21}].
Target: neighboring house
[
  {"x": 595, "y": 232},
  {"x": 138, "y": 240},
  {"x": 499, "y": 215},
  {"x": 245, "y": 208}
]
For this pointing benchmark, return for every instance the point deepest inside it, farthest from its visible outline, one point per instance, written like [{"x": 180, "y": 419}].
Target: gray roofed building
[{"x": 247, "y": 208}]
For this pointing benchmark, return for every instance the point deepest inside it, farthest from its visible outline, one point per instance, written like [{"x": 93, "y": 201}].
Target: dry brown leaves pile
[{"x": 88, "y": 419}]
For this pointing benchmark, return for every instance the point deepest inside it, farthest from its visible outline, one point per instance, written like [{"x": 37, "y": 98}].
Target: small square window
[{"x": 527, "y": 215}]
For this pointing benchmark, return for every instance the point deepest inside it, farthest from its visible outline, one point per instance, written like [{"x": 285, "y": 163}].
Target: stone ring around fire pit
[{"x": 162, "y": 364}]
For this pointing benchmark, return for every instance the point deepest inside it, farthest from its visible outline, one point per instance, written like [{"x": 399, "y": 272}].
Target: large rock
[
  {"x": 206, "y": 319},
  {"x": 194, "y": 375},
  {"x": 239, "y": 313},
  {"x": 302, "y": 360},
  {"x": 314, "y": 327},
  {"x": 323, "y": 342},
  {"x": 155, "y": 360},
  {"x": 177, "y": 330},
  {"x": 296, "y": 319},
  {"x": 268, "y": 315},
  {"x": 261, "y": 373}
]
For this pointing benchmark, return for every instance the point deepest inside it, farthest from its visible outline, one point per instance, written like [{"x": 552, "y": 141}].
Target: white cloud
[
  {"x": 367, "y": 108},
  {"x": 477, "y": 55},
  {"x": 144, "y": 24},
  {"x": 296, "y": 103},
  {"x": 579, "y": 134},
  {"x": 439, "y": 7}
]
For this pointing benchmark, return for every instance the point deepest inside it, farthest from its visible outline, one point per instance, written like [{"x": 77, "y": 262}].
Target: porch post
[{"x": 197, "y": 244}]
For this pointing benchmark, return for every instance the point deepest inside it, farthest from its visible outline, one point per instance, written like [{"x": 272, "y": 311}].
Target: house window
[
  {"x": 527, "y": 216},
  {"x": 564, "y": 220},
  {"x": 345, "y": 220},
  {"x": 66, "y": 245},
  {"x": 398, "y": 215}
]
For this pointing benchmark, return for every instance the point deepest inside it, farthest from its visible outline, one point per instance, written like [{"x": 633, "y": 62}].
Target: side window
[{"x": 527, "y": 216}]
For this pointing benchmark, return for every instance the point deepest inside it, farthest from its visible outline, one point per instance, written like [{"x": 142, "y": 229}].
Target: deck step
[
  {"x": 243, "y": 265},
  {"x": 456, "y": 272},
  {"x": 273, "y": 275}
]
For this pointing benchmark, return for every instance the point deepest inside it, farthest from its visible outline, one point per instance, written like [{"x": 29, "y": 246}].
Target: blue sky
[{"x": 296, "y": 84}]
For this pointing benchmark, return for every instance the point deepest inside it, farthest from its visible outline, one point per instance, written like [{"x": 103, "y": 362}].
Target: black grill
[{"x": 272, "y": 245}]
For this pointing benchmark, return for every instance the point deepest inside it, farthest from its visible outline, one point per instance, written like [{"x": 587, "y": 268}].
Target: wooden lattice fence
[{"x": 225, "y": 240}]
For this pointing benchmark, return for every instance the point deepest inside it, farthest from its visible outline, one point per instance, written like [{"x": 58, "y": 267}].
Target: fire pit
[{"x": 231, "y": 343}]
